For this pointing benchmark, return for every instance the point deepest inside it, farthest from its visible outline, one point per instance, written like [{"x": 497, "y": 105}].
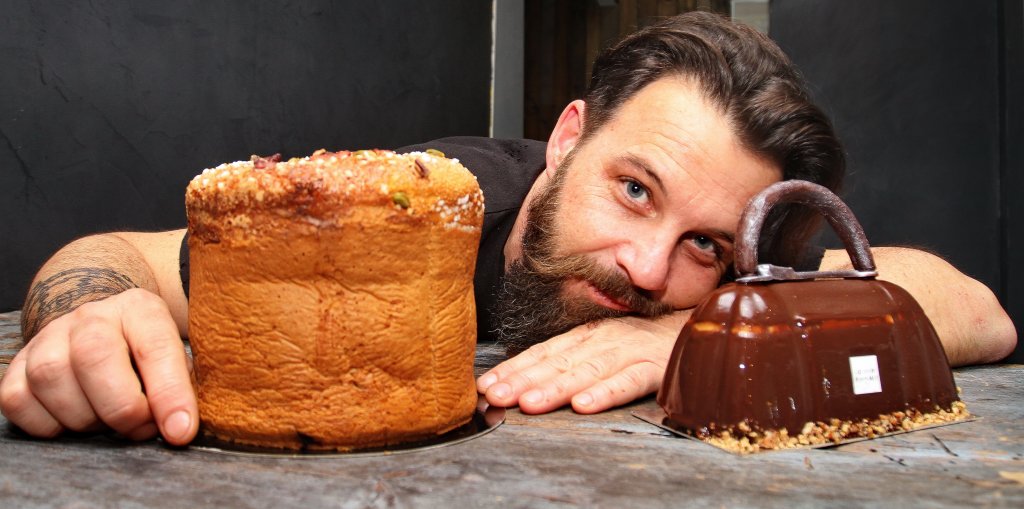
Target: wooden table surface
[{"x": 557, "y": 460}]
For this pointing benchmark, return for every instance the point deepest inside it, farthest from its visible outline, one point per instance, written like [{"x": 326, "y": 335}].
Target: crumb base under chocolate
[{"x": 744, "y": 439}]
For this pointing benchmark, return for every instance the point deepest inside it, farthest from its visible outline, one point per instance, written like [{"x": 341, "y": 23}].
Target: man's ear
[{"x": 566, "y": 133}]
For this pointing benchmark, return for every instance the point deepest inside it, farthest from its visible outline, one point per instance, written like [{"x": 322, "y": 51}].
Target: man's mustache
[{"x": 612, "y": 283}]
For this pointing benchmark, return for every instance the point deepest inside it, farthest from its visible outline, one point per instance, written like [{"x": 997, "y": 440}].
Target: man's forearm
[
  {"x": 970, "y": 322},
  {"x": 86, "y": 270}
]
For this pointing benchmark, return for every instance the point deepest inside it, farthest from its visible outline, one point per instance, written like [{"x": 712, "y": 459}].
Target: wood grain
[
  {"x": 10, "y": 338},
  {"x": 559, "y": 459}
]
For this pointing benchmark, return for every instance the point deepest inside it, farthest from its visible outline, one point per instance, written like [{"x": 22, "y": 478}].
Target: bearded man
[{"x": 596, "y": 246}]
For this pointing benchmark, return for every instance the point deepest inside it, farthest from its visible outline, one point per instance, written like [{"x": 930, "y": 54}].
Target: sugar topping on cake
[{"x": 418, "y": 184}]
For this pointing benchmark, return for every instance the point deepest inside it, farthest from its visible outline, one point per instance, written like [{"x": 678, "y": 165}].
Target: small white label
[{"x": 864, "y": 370}]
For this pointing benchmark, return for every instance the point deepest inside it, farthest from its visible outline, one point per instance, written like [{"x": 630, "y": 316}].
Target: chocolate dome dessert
[{"x": 784, "y": 359}]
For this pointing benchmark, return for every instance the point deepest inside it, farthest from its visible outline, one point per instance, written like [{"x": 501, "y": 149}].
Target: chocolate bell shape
[
  {"x": 779, "y": 349},
  {"x": 783, "y": 354}
]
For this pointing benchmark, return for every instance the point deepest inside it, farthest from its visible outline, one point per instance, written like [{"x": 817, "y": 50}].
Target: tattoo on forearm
[{"x": 62, "y": 292}]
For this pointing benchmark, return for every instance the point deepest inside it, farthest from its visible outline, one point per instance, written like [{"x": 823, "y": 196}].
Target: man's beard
[{"x": 531, "y": 306}]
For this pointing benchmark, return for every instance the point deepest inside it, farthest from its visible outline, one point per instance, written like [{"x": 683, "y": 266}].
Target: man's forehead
[
  {"x": 686, "y": 150},
  {"x": 674, "y": 138},
  {"x": 667, "y": 92},
  {"x": 675, "y": 114}
]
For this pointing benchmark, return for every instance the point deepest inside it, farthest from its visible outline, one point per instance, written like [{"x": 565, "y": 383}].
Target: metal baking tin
[{"x": 485, "y": 419}]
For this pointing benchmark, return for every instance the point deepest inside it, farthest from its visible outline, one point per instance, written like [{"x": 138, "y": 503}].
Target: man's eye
[
  {"x": 636, "y": 190},
  {"x": 704, "y": 243}
]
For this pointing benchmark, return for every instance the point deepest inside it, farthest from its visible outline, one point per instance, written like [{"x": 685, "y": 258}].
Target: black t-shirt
[{"x": 505, "y": 170}]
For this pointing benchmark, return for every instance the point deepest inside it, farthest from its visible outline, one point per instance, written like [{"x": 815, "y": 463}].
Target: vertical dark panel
[
  {"x": 541, "y": 57},
  {"x": 109, "y": 107},
  {"x": 563, "y": 38},
  {"x": 1012, "y": 177},
  {"x": 914, "y": 90},
  {"x": 628, "y": 17},
  {"x": 556, "y": 67}
]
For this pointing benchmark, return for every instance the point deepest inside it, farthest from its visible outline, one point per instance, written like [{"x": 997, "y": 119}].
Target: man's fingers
[
  {"x": 636, "y": 381},
  {"x": 102, "y": 366},
  {"x": 160, "y": 358},
  {"x": 20, "y": 406},
  {"x": 558, "y": 390},
  {"x": 78, "y": 373},
  {"x": 548, "y": 351},
  {"x": 508, "y": 390},
  {"x": 52, "y": 381},
  {"x": 594, "y": 367},
  {"x": 531, "y": 356},
  {"x": 554, "y": 372}
]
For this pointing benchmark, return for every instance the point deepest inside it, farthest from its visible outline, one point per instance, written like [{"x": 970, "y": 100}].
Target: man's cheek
[{"x": 685, "y": 294}]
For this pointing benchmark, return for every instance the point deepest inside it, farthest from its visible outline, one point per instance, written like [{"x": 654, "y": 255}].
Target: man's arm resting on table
[
  {"x": 100, "y": 309},
  {"x": 969, "y": 320},
  {"x": 99, "y": 266},
  {"x": 609, "y": 363},
  {"x": 593, "y": 367}
]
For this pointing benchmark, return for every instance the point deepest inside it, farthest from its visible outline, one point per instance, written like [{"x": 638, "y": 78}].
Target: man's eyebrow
[
  {"x": 642, "y": 164},
  {"x": 728, "y": 236}
]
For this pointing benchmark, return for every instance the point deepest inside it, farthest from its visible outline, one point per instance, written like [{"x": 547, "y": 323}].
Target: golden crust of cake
[
  {"x": 331, "y": 301},
  {"x": 321, "y": 188}
]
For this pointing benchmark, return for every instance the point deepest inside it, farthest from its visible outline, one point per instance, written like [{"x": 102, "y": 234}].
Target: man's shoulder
[
  {"x": 505, "y": 168},
  {"x": 508, "y": 151}
]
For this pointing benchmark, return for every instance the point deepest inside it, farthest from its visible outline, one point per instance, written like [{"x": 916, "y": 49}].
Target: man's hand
[
  {"x": 77, "y": 373},
  {"x": 595, "y": 366}
]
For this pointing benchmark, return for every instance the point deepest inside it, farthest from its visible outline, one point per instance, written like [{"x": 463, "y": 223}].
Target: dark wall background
[
  {"x": 108, "y": 108},
  {"x": 926, "y": 96}
]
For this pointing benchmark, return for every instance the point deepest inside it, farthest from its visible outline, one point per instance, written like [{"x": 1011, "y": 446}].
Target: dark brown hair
[{"x": 754, "y": 84}]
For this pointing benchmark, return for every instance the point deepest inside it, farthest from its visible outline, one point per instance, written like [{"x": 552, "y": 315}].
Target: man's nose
[{"x": 647, "y": 262}]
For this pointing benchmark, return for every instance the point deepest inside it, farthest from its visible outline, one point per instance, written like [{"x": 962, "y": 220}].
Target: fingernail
[
  {"x": 584, "y": 399},
  {"x": 177, "y": 426},
  {"x": 533, "y": 397},
  {"x": 501, "y": 390},
  {"x": 487, "y": 380}
]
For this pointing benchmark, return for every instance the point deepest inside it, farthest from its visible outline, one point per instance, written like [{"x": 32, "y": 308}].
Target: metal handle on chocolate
[{"x": 825, "y": 202}]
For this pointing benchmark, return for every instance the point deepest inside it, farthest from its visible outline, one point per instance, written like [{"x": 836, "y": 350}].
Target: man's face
[{"x": 639, "y": 220}]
